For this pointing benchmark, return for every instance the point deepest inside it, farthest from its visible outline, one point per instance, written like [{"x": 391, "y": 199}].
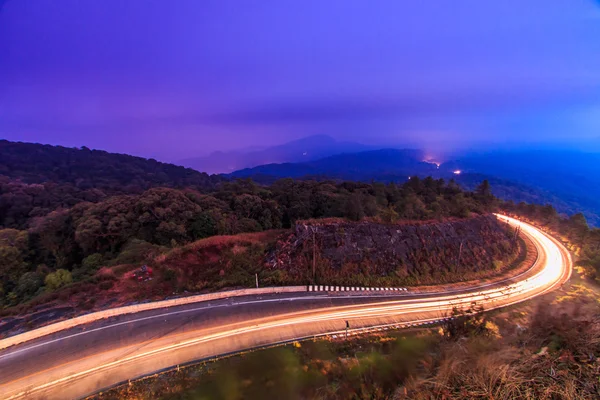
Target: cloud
[{"x": 409, "y": 106}]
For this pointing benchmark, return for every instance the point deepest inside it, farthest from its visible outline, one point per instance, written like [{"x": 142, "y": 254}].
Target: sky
[{"x": 176, "y": 79}]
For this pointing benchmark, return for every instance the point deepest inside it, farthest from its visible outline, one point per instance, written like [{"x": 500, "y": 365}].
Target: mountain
[
  {"x": 36, "y": 179},
  {"x": 567, "y": 180},
  {"x": 85, "y": 168},
  {"x": 570, "y": 180},
  {"x": 385, "y": 164},
  {"x": 306, "y": 149}
]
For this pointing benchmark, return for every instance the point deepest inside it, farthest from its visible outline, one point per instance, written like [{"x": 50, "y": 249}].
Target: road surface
[{"x": 81, "y": 361}]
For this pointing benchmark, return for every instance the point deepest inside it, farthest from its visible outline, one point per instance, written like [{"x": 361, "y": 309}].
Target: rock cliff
[{"x": 417, "y": 250}]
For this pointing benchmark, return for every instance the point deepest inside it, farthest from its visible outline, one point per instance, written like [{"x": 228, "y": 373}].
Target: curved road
[{"x": 81, "y": 361}]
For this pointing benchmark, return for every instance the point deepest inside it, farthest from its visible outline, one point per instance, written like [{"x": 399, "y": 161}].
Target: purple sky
[{"x": 174, "y": 79}]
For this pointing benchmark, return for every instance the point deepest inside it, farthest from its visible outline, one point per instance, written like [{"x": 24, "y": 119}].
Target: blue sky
[{"x": 172, "y": 79}]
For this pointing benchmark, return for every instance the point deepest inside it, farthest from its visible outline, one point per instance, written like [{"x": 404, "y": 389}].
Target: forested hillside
[
  {"x": 565, "y": 180},
  {"x": 126, "y": 229},
  {"x": 66, "y": 213},
  {"x": 36, "y": 179}
]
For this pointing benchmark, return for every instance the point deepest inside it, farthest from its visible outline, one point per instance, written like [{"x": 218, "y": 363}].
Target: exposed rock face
[{"x": 410, "y": 249}]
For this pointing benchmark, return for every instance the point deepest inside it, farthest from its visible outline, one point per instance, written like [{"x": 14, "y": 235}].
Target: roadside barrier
[
  {"x": 96, "y": 316},
  {"x": 114, "y": 312},
  {"x": 326, "y": 288}
]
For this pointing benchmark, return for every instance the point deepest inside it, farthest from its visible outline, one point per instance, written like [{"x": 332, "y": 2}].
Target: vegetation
[
  {"x": 37, "y": 179},
  {"x": 129, "y": 228},
  {"x": 582, "y": 240},
  {"x": 132, "y": 229},
  {"x": 407, "y": 253},
  {"x": 79, "y": 210},
  {"x": 76, "y": 225}
]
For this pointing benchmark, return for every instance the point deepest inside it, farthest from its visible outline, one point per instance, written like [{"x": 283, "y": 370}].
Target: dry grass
[
  {"x": 220, "y": 242},
  {"x": 376, "y": 220},
  {"x": 553, "y": 355}
]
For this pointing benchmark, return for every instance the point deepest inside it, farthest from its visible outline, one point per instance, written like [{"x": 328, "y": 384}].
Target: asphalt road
[{"x": 81, "y": 361}]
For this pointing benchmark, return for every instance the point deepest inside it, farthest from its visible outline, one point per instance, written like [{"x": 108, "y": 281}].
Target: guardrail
[
  {"x": 330, "y": 288},
  {"x": 114, "y": 312},
  {"x": 96, "y": 316}
]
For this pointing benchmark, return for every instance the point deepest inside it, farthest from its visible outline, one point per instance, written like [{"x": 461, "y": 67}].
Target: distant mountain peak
[{"x": 300, "y": 150}]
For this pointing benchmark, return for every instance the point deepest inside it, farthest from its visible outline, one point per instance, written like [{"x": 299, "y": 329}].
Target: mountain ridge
[
  {"x": 305, "y": 149},
  {"x": 568, "y": 189}
]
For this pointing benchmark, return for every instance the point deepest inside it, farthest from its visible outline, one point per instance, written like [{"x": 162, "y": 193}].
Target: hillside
[
  {"x": 86, "y": 169},
  {"x": 382, "y": 165},
  {"x": 569, "y": 183},
  {"x": 407, "y": 253},
  {"x": 519, "y": 192},
  {"x": 366, "y": 253},
  {"x": 36, "y": 179},
  {"x": 72, "y": 244},
  {"x": 569, "y": 180},
  {"x": 64, "y": 223},
  {"x": 301, "y": 150}
]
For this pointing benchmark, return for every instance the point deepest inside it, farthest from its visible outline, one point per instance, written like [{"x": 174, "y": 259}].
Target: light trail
[{"x": 554, "y": 268}]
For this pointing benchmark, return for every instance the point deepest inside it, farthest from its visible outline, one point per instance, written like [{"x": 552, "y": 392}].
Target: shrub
[
  {"x": 136, "y": 251},
  {"x": 169, "y": 275},
  {"x": 105, "y": 285},
  {"x": 60, "y": 278},
  {"x": 203, "y": 226},
  {"x": 92, "y": 262},
  {"x": 249, "y": 225},
  {"x": 28, "y": 285}
]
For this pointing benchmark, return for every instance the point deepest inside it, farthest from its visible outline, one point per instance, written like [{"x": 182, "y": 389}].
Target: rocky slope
[{"x": 411, "y": 252}]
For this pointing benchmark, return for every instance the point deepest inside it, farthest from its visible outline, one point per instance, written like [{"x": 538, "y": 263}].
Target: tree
[
  {"x": 56, "y": 235},
  {"x": 389, "y": 215},
  {"x": 58, "y": 279},
  {"x": 28, "y": 285},
  {"x": 578, "y": 228},
  {"x": 484, "y": 189},
  {"x": 14, "y": 248},
  {"x": 92, "y": 262},
  {"x": 484, "y": 194},
  {"x": 87, "y": 234},
  {"x": 549, "y": 215},
  {"x": 354, "y": 208},
  {"x": 202, "y": 226},
  {"x": 249, "y": 225}
]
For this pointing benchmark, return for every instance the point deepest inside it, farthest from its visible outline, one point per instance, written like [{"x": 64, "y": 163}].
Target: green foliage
[
  {"x": 169, "y": 275},
  {"x": 29, "y": 284},
  {"x": 465, "y": 323},
  {"x": 133, "y": 228},
  {"x": 14, "y": 251},
  {"x": 92, "y": 262},
  {"x": 37, "y": 179},
  {"x": 248, "y": 225},
  {"x": 202, "y": 226},
  {"x": 364, "y": 368},
  {"x": 354, "y": 207},
  {"x": 136, "y": 251},
  {"x": 57, "y": 279},
  {"x": 498, "y": 265}
]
